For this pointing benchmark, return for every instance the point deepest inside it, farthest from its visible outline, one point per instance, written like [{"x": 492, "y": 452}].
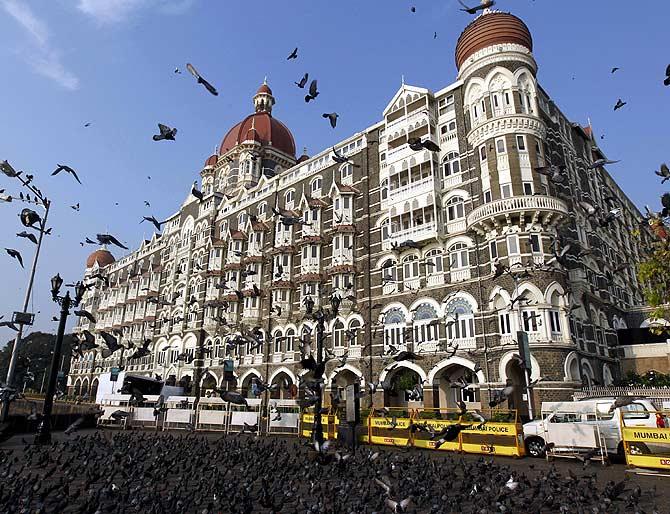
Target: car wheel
[{"x": 535, "y": 447}]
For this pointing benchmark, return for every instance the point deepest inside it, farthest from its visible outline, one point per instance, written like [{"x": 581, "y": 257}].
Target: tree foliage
[
  {"x": 649, "y": 379},
  {"x": 654, "y": 274}
]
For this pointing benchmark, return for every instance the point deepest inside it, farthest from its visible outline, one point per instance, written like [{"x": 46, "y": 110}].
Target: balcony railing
[
  {"x": 455, "y": 227},
  {"x": 425, "y": 185},
  {"x": 460, "y": 275},
  {"x": 310, "y": 265},
  {"x": 343, "y": 256},
  {"x": 517, "y": 204},
  {"x": 417, "y": 233},
  {"x": 436, "y": 279}
]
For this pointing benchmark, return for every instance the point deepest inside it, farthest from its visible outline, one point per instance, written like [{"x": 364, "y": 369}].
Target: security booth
[
  {"x": 212, "y": 414},
  {"x": 350, "y": 430},
  {"x": 179, "y": 413}
]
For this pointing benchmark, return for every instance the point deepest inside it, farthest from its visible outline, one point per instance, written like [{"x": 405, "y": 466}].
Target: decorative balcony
[
  {"x": 435, "y": 279},
  {"x": 546, "y": 209},
  {"x": 310, "y": 265},
  {"x": 460, "y": 275},
  {"x": 417, "y": 233},
  {"x": 343, "y": 256},
  {"x": 425, "y": 185},
  {"x": 456, "y": 227}
]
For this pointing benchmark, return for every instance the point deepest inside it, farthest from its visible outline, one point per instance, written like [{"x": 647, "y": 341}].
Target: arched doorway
[
  {"x": 246, "y": 389},
  {"x": 84, "y": 387},
  {"x": 283, "y": 390},
  {"x": 208, "y": 385},
  {"x": 342, "y": 379},
  {"x": 516, "y": 376},
  {"x": 94, "y": 388},
  {"x": 457, "y": 383},
  {"x": 400, "y": 380},
  {"x": 77, "y": 387}
]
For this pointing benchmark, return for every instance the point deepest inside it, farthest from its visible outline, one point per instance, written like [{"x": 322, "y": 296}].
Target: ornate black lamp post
[{"x": 44, "y": 431}]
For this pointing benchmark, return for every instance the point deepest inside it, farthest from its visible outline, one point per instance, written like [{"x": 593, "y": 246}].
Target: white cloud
[
  {"x": 25, "y": 17},
  {"x": 113, "y": 11},
  {"x": 40, "y": 56}
]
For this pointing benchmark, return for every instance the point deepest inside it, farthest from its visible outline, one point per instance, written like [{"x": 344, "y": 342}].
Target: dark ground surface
[{"x": 112, "y": 471}]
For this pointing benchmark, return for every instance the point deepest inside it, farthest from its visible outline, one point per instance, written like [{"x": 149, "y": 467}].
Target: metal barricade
[
  {"x": 111, "y": 403},
  {"x": 143, "y": 415},
  {"x": 644, "y": 446},
  {"x": 212, "y": 414},
  {"x": 495, "y": 437},
  {"x": 239, "y": 415},
  {"x": 286, "y": 419},
  {"x": 179, "y": 413},
  {"x": 391, "y": 429}
]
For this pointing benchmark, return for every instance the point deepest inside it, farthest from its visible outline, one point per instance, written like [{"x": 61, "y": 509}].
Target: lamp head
[{"x": 56, "y": 283}]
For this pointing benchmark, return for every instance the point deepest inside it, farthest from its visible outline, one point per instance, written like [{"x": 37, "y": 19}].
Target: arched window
[
  {"x": 241, "y": 221},
  {"x": 277, "y": 338},
  {"x": 459, "y": 256},
  {"x": 384, "y": 189},
  {"x": 460, "y": 319},
  {"x": 315, "y": 186},
  {"x": 455, "y": 208},
  {"x": 386, "y": 229},
  {"x": 262, "y": 209},
  {"x": 354, "y": 331},
  {"x": 451, "y": 165},
  {"x": 433, "y": 262},
  {"x": 410, "y": 267},
  {"x": 425, "y": 327},
  {"x": 338, "y": 334},
  {"x": 290, "y": 339},
  {"x": 394, "y": 327},
  {"x": 554, "y": 314},
  {"x": 289, "y": 198}
]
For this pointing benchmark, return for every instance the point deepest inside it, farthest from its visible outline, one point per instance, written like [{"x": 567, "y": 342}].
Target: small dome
[
  {"x": 102, "y": 257},
  {"x": 264, "y": 89},
  {"x": 491, "y": 28},
  {"x": 211, "y": 161}
]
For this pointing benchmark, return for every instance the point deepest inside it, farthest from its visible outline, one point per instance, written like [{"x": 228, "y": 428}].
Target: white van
[{"x": 588, "y": 412}]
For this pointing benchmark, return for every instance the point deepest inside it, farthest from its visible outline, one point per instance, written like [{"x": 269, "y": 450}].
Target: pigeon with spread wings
[{"x": 201, "y": 80}]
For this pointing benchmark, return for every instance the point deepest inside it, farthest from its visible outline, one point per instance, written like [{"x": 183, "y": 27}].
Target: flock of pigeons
[{"x": 162, "y": 473}]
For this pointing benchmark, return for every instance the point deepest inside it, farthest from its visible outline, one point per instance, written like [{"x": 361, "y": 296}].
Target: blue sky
[{"x": 111, "y": 62}]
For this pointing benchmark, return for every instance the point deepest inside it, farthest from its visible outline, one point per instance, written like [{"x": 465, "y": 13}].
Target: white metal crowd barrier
[
  {"x": 179, "y": 413},
  {"x": 212, "y": 414},
  {"x": 286, "y": 418},
  {"x": 239, "y": 415}
]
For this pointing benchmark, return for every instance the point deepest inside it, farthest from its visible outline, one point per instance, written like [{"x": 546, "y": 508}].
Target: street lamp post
[
  {"x": 28, "y": 221},
  {"x": 66, "y": 302}
]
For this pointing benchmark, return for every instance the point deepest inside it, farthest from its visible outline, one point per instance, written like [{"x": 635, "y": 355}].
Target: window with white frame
[
  {"x": 384, "y": 189},
  {"x": 459, "y": 256},
  {"x": 444, "y": 104},
  {"x": 354, "y": 331},
  {"x": 277, "y": 339},
  {"x": 347, "y": 173},
  {"x": 289, "y": 198},
  {"x": 425, "y": 328},
  {"x": 451, "y": 165},
  {"x": 308, "y": 289},
  {"x": 555, "y": 321},
  {"x": 501, "y": 148},
  {"x": 528, "y": 188},
  {"x": 386, "y": 229},
  {"x": 281, "y": 295},
  {"x": 241, "y": 221},
  {"x": 521, "y": 143},
  {"x": 535, "y": 243},
  {"x": 460, "y": 319},
  {"x": 433, "y": 262},
  {"x": 315, "y": 186},
  {"x": 410, "y": 267},
  {"x": 504, "y": 323},
  {"x": 487, "y": 196},
  {"x": 262, "y": 209},
  {"x": 338, "y": 334},
  {"x": 493, "y": 249},
  {"x": 394, "y": 327},
  {"x": 506, "y": 190},
  {"x": 289, "y": 340},
  {"x": 482, "y": 153},
  {"x": 455, "y": 208},
  {"x": 513, "y": 244},
  {"x": 530, "y": 320}
]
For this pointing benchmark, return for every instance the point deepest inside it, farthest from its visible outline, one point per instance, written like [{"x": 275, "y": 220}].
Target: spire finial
[
  {"x": 304, "y": 150},
  {"x": 265, "y": 80},
  {"x": 402, "y": 80}
]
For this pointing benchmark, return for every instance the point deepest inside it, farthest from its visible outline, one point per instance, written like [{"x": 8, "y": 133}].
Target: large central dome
[{"x": 261, "y": 127}]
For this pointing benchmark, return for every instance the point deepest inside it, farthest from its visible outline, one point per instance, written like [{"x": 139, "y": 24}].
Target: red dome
[
  {"x": 211, "y": 161},
  {"x": 102, "y": 257},
  {"x": 264, "y": 89},
  {"x": 491, "y": 28},
  {"x": 261, "y": 127}
]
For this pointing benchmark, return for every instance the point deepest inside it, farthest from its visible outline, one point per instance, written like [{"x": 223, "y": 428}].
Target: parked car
[{"x": 641, "y": 412}]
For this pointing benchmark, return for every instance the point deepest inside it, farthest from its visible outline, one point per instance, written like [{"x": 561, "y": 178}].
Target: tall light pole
[
  {"x": 44, "y": 430},
  {"x": 29, "y": 219}
]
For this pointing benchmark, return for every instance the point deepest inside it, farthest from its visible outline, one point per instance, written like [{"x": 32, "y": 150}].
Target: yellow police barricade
[
  {"x": 282, "y": 417},
  {"x": 645, "y": 446},
  {"x": 212, "y": 414},
  {"x": 502, "y": 435},
  {"x": 435, "y": 420},
  {"x": 329, "y": 423},
  {"x": 392, "y": 429}
]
